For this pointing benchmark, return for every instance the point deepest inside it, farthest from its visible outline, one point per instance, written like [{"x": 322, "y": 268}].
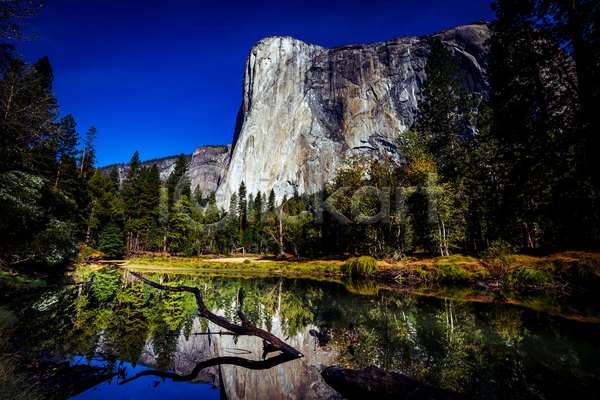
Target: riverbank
[{"x": 561, "y": 271}]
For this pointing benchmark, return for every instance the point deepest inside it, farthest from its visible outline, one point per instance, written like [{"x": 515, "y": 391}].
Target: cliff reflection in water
[{"x": 490, "y": 349}]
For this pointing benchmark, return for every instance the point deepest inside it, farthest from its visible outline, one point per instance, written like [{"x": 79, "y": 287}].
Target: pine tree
[
  {"x": 112, "y": 241},
  {"x": 197, "y": 196},
  {"x": 212, "y": 212},
  {"x": 271, "y": 204},
  {"x": 534, "y": 110},
  {"x": 444, "y": 109},
  {"x": 149, "y": 198},
  {"x": 44, "y": 70},
  {"x": 258, "y": 203},
  {"x": 130, "y": 193},
  {"x": 178, "y": 183},
  {"x": 114, "y": 178},
  {"x": 66, "y": 143},
  {"x": 88, "y": 156},
  {"x": 242, "y": 203}
]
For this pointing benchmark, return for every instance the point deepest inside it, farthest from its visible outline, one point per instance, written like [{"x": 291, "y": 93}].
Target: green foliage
[
  {"x": 29, "y": 229},
  {"x": 499, "y": 257},
  {"x": 448, "y": 271},
  {"x": 360, "y": 266},
  {"x": 112, "y": 242},
  {"x": 12, "y": 282},
  {"x": 534, "y": 275},
  {"x": 106, "y": 284}
]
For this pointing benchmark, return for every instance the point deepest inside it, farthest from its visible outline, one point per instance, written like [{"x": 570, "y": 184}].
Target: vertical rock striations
[{"x": 306, "y": 107}]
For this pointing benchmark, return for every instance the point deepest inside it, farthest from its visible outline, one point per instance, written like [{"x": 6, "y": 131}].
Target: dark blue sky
[{"x": 164, "y": 77}]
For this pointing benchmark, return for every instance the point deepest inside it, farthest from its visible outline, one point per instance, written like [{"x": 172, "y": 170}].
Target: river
[{"x": 490, "y": 346}]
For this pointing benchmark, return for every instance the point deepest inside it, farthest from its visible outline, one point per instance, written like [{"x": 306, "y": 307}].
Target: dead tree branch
[
  {"x": 242, "y": 362},
  {"x": 222, "y": 322}
]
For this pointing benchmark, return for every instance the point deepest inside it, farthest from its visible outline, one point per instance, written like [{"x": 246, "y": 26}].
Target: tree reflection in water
[{"x": 489, "y": 349}]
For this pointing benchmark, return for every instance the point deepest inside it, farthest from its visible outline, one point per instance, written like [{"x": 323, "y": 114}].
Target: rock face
[
  {"x": 207, "y": 167},
  {"x": 306, "y": 107}
]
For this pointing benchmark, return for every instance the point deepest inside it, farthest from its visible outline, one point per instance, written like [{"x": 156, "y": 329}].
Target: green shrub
[
  {"x": 499, "y": 257},
  {"x": 360, "y": 266},
  {"x": 246, "y": 261},
  {"x": 539, "y": 275}
]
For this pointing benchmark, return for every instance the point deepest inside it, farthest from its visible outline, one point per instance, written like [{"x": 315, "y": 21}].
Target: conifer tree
[
  {"x": 131, "y": 193},
  {"x": 197, "y": 196},
  {"x": 114, "y": 178},
  {"x": 242, "y": 204},
  {"x": 66, "y": 144},
  {"x": 178, "y": 183},
  {"x": 88, "y": 156},
  {"x": 444, "y": 108},
  {"x": 534, "y": 109},
  {"x": 258, "y": 204},
  {"x": 212, "y": 212},
  {"x": 271, "y": 204},
  {"x": 112, "y": 241},
  {"x": 149, "y": 198}
]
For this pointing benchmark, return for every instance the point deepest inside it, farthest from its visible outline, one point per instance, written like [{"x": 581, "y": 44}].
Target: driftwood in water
[
  {"x": 247, "y": 329},
  {"x": 242, "y": 362},
  {"x": 375, "y": 383}
]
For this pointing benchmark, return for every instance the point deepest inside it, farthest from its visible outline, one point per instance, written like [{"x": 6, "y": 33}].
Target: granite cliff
[
  {"x": 306, "y": 107},
  {"x": 207, "y": 164}
]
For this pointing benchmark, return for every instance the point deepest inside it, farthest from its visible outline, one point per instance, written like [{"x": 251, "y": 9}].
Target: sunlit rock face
[
  {"x": 305, "y": 107},
  {"x": 297, "y": 379}
]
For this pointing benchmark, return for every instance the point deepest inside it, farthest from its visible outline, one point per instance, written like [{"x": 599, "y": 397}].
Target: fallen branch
[
  {"x": 242, "y": 362},
  {"x": 222, "y": 322},
  {"x": 373, "y": 382},
  {"x": 206, "y": 333}
]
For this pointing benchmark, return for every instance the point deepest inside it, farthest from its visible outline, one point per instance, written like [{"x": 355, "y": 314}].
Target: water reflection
[{"x": 491, "y": 349}]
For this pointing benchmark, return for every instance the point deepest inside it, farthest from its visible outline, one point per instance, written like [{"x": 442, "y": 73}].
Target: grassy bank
[
  {"x": 575, "y": 269},
  {"x": 250, "y": 264}
]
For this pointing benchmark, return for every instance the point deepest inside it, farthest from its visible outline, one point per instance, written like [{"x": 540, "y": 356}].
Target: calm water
[{"x": 489, "y": 347}]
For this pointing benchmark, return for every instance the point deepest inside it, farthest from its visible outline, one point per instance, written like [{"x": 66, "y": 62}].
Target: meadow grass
[{"x": 500, "y": 265}]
